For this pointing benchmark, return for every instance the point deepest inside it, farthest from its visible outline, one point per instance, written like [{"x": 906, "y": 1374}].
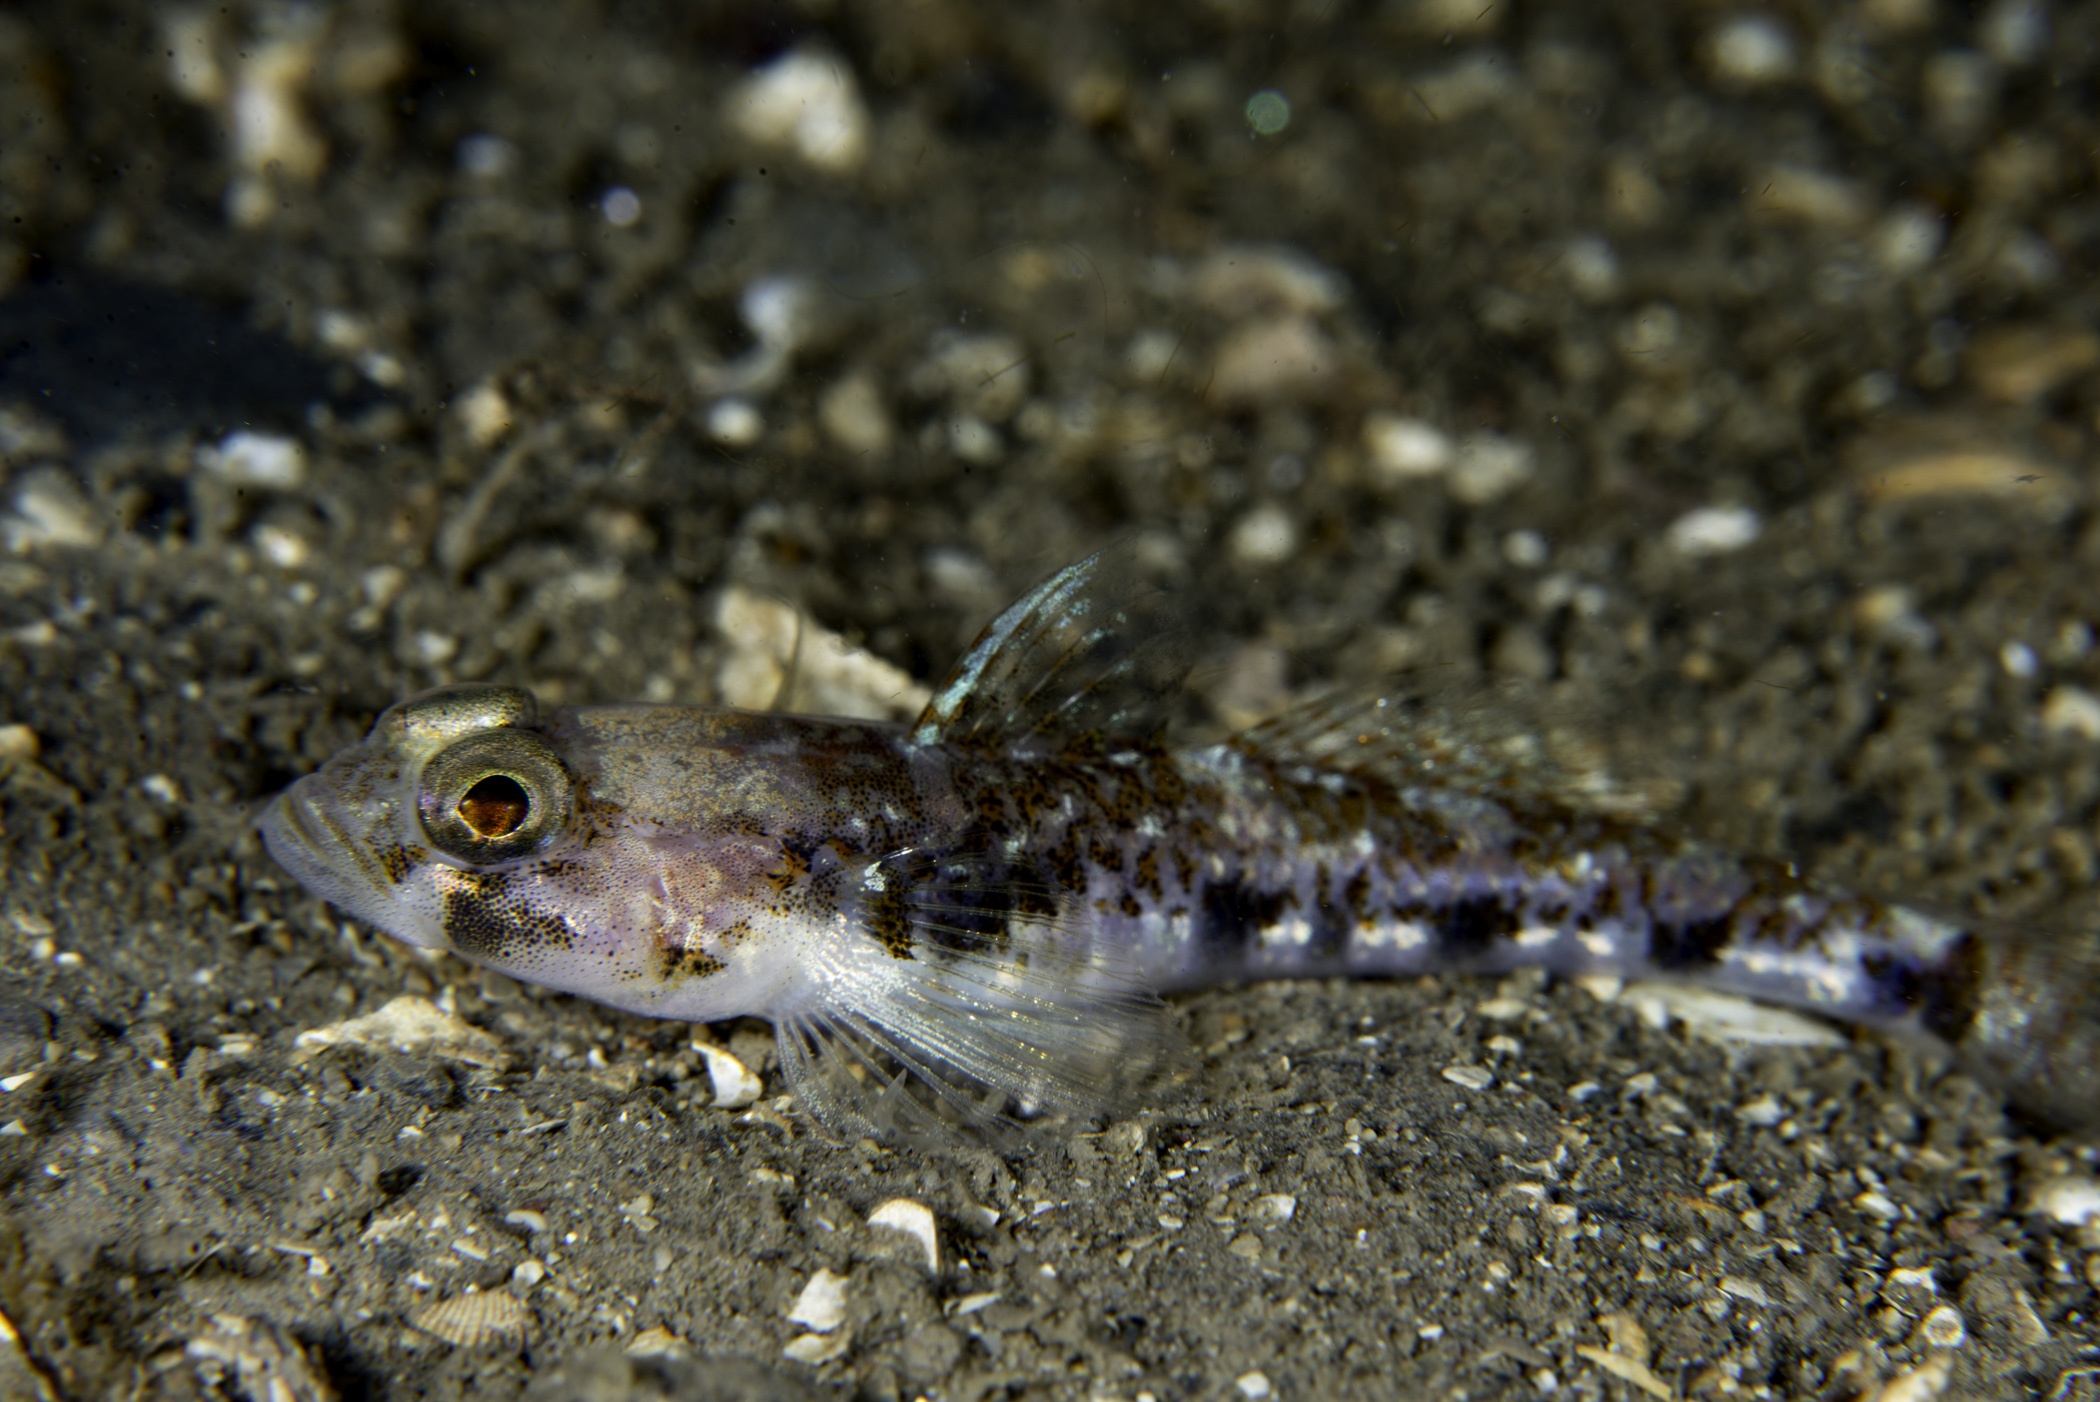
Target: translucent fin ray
[{"x": 1091, "y": 650}]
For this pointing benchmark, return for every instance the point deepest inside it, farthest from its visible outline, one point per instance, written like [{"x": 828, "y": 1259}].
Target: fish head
[
  {"x": 454, "y": 777},
  {"x": 551, "y": 850}
]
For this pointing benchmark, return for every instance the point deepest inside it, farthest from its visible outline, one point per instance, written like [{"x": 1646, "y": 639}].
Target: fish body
[{"x": 987, "y": 901}]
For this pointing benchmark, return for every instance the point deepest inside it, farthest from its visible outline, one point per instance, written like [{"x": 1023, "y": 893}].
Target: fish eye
[{"x": 495, "y": 796}]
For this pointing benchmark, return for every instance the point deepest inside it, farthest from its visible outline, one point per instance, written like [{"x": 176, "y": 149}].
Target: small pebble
[
  {"x": 1753, "y": 49},
  {"x": 1265, "y": 536},
  {"x": 2071, "y": 710},
  {"x": 1471, "y": 1077},
  {"x": 1273, "y": 1208},
  {"x": 1944, "y": 1328},
  {"x": 252, "y": 459},
  {"x": 809, "y": 103},
  {"x": 2073, "y": 1200},
  {"x": 1488, "y": 466},
  {"x": 1253, "y": 1385},
  {"x": 1714, "y": 530},
  {"x": 1402, "y": 449},
  {"x": 735, "y": 423}
]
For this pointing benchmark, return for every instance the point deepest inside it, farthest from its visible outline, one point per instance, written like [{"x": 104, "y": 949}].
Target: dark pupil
[{"x": 495, "y": 806}]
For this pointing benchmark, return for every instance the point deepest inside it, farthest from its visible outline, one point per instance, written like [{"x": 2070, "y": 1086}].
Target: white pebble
[
  {"x": 161, "y": 789},
  {"x": 734, "y": 423},
  {"x": 1714, "y": 530},
  {"x": 1908, "y": 239},
  {"x": 1526, "y": 550},
  {"x": 853, "y": 413},
  {"x": 256, "y": 460},
  {"x": 429, "y": 648},
  {"x": 2072, "y": 710},
  {"x": 282, "y": 546},
  {"x": 975, "y": 441},
  {"x": 1240, "y": 281},
  {"x": 780, "y": 311},
  {"x": 1265, "y": 536},
  {"x": 1753, "y": 49},
  {"x": 50, "y": 510},
  {"x": 822, "y": 1304},
  {"x": 19, "y": 742},
  {"x": 1763, "y": 1112},
  {"x": 1471, "y": 1077},
  {"x": 1877, "y": 1205},
  {"x": 915, "y": 1221},
  {"x": 1402, "y": 448},
  {"x": 809, "y": 103},
  {"x": 528, "y": 1273},
  {"x": 1592, "y": 269},
  {"x": 1253, "y": 1385},
  {"x": 486, "y": 156},
  {"x": 1489, "y": 465},
  {"x": 2019, "y": 660},
  {"x": 621, "y": 207},
  {"x": 1273, "y": 1208},
  {"x": 1944, "y": 1328},
  {"x": 2071, "y": 1200}
]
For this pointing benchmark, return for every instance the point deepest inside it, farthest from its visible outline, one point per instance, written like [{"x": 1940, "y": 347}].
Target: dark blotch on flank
[
  {"x": 1233, "y": 918},
  {"x": 1691, "y": 944},
  {"x": 1951, "y": 991},
  {"x": 1472, "y": 926}
]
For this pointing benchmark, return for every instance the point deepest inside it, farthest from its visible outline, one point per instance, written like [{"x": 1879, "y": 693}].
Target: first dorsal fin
[{"x": 1092, "y": 650}]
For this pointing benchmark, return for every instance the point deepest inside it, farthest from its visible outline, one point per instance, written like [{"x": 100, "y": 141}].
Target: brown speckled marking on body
[{"x": 484, "y": 919}]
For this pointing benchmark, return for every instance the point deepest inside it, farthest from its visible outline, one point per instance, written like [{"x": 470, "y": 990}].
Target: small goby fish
[{"x": 985, "y": 903}]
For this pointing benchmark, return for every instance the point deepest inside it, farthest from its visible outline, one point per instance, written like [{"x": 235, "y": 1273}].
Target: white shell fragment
[
  {"x": 914, "y": 1220},
  {"x": 815, "y": 1349},
  {"x": 1471, "y": 1077},
  {"x": 1727, "y": 1018},
  {"x": 734, "y": 1085},
  {"x": 822, "y": 1304},
  {"x": 476, "y": 1320},
  {"x": 776, "y": 657},
  {"x": 809, "y": 103},
  {"x": 413, "y": 1026},
  {"x": 256, "y": 1357}
]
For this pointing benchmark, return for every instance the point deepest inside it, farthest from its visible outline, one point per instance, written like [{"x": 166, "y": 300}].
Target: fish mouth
[{"x": 305, "y": 836}]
